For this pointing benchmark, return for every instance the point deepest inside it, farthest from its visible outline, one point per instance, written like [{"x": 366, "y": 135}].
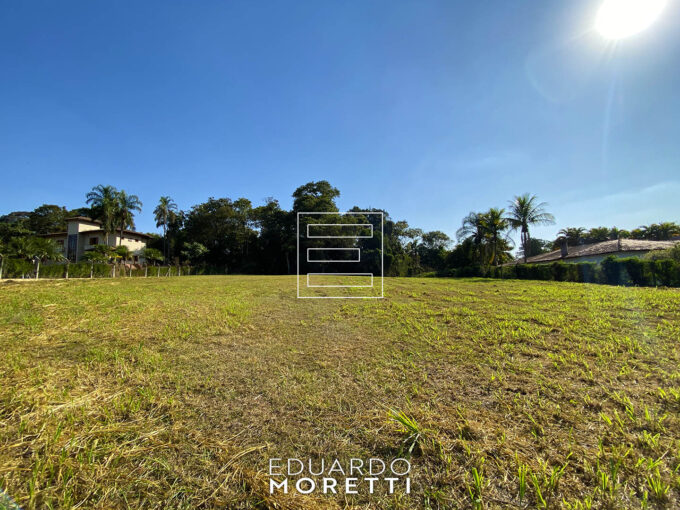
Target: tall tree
[
  {"x": 47, "y": 218},
  {"x": 315, "y": 197},
  {"x": 573, "y": 235},
  {"x": 162, "y": 213},
  {"x": 104, "y": 201},
  {"x": 127, "y": 205},
  {"x": 495, "y": 226},
  {"x": 525, "y": 211},
  {"x": 473, "y": 229},
  {"x": 41, "y": 250},
  {"x": 597, "y": 235}
]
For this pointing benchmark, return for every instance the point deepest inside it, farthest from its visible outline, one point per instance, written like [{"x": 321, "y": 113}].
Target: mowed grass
[{"x": 175, "y": 392}]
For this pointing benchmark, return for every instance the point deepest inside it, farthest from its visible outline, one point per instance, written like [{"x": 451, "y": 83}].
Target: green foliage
[
  {"x": 612, "y": 271},
  {"x": 525, "y": 211},
  {"x": 47, "y": 219},
  {"x": 99, "y": 253},
  {"x": 152, "y": 255},
  {"x": 671, "y": 253},
  {"x": 315, "y": 196}
]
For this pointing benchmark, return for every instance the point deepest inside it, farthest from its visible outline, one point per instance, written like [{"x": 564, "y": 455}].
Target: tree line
[{"x": 223, "y": 235}]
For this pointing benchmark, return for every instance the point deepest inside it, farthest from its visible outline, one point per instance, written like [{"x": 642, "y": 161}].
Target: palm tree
[
  {"x": 104, "y": 200},
  {"x": 20, "y": 247},
  {"x": 525, "y": 211},
  {"x": 495, "y": 227},
  {"x": 573, "y": 235},
  {"x": 659, "y": 232},
  {"x": 127, "y": 204},
  {"x": 41, "y": 250},
  {"x": 473, "y": 229},
  {"x": 166, "y": 206},
  {"x": 597, "y": 235},
  {"x": 100, "y": 253}
]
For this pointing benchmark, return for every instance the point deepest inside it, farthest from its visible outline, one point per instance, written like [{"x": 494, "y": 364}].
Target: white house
[{"x": 83, "y": 233}]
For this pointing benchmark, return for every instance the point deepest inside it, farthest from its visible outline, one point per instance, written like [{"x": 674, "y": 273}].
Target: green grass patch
[{"x": 175, "y": 392}]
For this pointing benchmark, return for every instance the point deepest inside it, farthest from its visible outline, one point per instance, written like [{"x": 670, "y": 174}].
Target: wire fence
[{"x": 23, "y": 269}]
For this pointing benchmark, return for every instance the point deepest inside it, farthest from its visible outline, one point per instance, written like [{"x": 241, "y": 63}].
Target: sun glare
[{"x": 620, "y": 18}]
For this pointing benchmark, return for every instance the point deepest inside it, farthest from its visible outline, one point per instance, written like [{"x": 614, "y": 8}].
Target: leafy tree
[
  {"x": 36, "y": 249},
  {"x": 436, "y": 240},
  {"x": 18, "y": 219},
  {"x": 432, "y": 252},
  {"x": 126, "y": 205},
  {"x": 162, "y": 213},
  {"x": 525, "y": 211},
  {"x": 315, "y": 197},
  {"x": 671, "y": 253},
  {"x": 464, "y": 254},
  {"x": 219, "y": 225},
  {"x": 97, "y": 255},
  {"x": 276, "y": 239},
  {"x": 47, "y": 218},
  {"x": 152, "y": 255},
  {"x": 536, "y": 247},
  {"x": 105, "y": 204},
  {"x": 194, "y": 252}
]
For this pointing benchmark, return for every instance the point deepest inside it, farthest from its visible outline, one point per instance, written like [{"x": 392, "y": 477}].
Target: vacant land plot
[{"x": 174, "y": 393}]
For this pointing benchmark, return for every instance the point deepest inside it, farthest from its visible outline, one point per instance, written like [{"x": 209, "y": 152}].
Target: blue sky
[{"x": 427, "y": 109}]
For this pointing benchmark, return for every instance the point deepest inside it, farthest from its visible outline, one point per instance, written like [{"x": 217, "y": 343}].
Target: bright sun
[{"x": 620, "y": 18}]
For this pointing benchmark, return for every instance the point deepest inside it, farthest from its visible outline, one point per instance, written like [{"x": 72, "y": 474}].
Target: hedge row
[
  {"x": 612, "y": 271},
  {"x": 17, "y": 268}
]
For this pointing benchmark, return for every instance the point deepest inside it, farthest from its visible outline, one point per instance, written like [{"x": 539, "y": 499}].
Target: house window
[
  {"x": 72, "y": 247},
  {"x": 60, "y": 243},
  {"x": 94, "y": 241}
]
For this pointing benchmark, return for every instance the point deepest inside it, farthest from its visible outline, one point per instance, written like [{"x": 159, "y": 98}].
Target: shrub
[
  {"x": 611, "y": 270},
  {"x": 636, "y": 271},
  {"x": 667, "y": 272},
  {"x": 469, "y": 271},
  {"x": 565, "y": 272},
  {"x": 534, "y": 272},
  {"x": 17, "y": 268},
  {"x": 587, "y": 272}
]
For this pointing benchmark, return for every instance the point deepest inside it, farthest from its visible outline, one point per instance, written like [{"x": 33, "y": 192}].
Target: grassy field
[{"x": 174, "y": 393}]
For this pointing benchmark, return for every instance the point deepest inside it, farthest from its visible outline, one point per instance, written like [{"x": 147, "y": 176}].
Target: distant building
[
  {"x": 596, "y": 252},
  {"x": 83, "y": 233}
]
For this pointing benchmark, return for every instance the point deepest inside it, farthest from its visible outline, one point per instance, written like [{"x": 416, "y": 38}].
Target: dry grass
[{"x": 174, "y": 393}]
